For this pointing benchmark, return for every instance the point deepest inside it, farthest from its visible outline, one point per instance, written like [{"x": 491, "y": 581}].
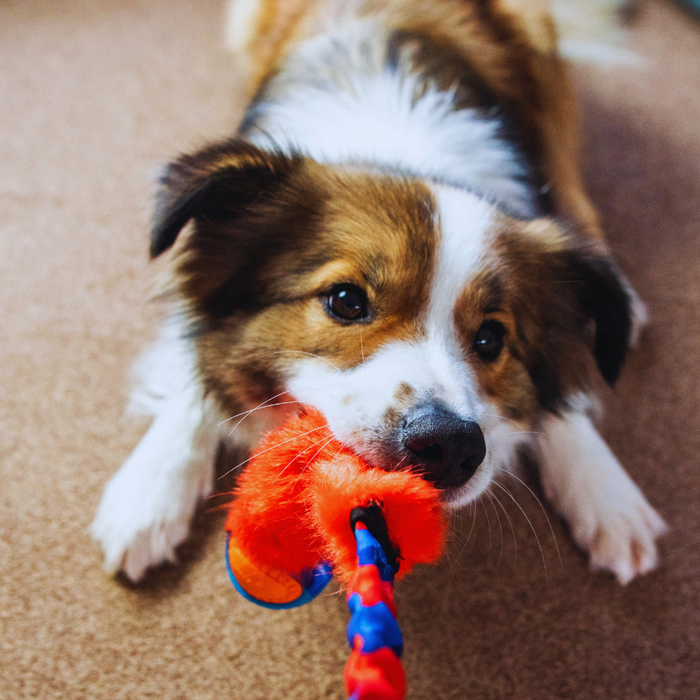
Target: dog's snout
[{"x": 445, "y": 448}]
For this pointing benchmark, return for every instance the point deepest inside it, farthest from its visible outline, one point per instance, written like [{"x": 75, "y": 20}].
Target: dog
[{"x": 397, "y": 235}]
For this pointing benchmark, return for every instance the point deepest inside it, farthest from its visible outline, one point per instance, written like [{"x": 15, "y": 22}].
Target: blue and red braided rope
[{"x": 373, "y": 671}]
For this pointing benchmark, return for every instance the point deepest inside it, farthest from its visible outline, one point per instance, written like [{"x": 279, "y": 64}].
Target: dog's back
[{"x": 504, "y": 49}]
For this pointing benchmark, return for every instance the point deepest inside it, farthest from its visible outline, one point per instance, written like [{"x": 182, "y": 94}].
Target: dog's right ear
[{"x": 216, "y": 184}]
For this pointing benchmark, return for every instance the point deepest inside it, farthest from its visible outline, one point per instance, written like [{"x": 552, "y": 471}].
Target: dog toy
[{"x": 307, "y": 508}]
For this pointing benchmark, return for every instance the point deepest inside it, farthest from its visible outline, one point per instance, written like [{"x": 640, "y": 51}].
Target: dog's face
[{"x": 430, "y": 329}]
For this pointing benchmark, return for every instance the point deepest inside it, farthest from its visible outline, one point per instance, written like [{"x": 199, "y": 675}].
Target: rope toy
[{"x": 306, "y": 509}]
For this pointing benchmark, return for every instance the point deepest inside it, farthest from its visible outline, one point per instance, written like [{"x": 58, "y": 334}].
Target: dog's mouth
[
  {"x": 454, "y": 490},
  {"x": 452, "y": 496},
  {"x": 459, "y": 472},
  {"x": 445, "y": 474},
  {"x": 450, "y": 493}
]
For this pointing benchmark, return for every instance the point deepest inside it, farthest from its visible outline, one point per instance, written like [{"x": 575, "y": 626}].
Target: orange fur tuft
[
  {"x": 294, "y": 500},
  {"x": 411, "y": 507}
]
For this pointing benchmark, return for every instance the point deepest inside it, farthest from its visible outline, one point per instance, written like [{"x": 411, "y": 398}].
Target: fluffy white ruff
[
  {"x": 373, "y": 116},
  {"x": 609, "y": 516},
  {"x": 148, "y": 504}
]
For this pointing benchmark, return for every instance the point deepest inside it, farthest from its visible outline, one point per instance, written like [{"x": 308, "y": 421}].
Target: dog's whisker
[
  {"x": 326, "y": 440},
  {"x": 544, "y": 511},
  {"x": 253, "y": 410},
  {"x": 297, "y": 352},
  {"x": 265, "y": 404},
  {"x": 472, "y": 510},
  {"x": 500, "y": 527},
  {"x": 510, "y": 523},
  {"x": 488, "y": 520},
  {"x": 532, "y": 527},
  {"x": 337, "y": 454},
  {"x": 296, "y": 437},
  {"x": 400, "y": 463},
  {"x": 515, "y": 423},
  {"x": 259, "y": 408},
  {"x": 455, "y": 518},
  {"x": 260, "y": 405},
  {"x": 320, "y": 449}
]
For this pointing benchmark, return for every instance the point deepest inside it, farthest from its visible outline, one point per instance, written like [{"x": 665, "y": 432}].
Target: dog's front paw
[
  {"x": 135, "y": 530},
  {"x": 619, "y": 531},
  {"x": 608, "y": 515},
  {"x": 148, "y": 504}
]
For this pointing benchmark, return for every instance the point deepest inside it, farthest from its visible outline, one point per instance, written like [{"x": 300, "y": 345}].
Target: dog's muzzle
[{"x": 443, "y": 447}]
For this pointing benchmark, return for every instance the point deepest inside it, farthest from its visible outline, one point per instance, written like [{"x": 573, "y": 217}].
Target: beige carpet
[{"x": 93, "y": 97}]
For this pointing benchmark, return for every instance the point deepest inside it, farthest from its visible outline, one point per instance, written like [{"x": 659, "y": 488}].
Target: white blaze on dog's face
[
  {"x": 430, "y": 329},
  {"x": 369, "y": 405}
]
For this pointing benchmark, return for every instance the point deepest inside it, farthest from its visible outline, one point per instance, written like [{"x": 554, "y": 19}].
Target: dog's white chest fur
[{"x": 382, "y": 115}]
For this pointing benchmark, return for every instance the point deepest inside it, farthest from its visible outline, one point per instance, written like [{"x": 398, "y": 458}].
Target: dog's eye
[
  {"x": 348, "y": 303},
  {"x": 488, "y": 341}
]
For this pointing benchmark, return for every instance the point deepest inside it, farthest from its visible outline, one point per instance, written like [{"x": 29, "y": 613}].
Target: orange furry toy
[{"x": 291, "y": 517}]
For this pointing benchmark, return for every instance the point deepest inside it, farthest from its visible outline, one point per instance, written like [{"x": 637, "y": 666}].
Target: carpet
[{"x": 95, "y": 96}]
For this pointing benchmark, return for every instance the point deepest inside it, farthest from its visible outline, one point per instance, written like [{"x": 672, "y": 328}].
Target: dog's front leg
[
  {"x": 608, "y": 514},
  {"x": 148, "y": 504}
]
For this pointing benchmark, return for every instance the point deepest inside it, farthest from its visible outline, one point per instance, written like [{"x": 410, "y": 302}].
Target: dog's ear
[
  {"x": 571, "y": 303},
  {"x": 248, "y": 207},
  {"x": 216, "y": 184},
  {"x": 603, "y": 296}
]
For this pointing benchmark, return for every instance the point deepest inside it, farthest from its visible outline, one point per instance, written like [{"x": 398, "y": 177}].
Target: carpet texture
[{"x": 93, "y": 97}]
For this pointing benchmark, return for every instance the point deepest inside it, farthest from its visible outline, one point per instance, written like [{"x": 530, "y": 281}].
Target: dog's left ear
[
  {"x": 572, "y": 296},
  {"x": 602, "y": 294}
]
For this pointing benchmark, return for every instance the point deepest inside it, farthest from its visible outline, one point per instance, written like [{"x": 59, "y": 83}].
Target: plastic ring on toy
[{"x": 270, "y": 588}]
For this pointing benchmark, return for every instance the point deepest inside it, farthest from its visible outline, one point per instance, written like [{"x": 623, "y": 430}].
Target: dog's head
[{"x": 431, "y": 330}]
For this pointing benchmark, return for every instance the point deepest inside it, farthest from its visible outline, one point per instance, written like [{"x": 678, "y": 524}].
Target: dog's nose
[{"x": 445, "y": 448}]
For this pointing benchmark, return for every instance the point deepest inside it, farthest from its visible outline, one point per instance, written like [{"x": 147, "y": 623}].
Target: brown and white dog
[{"x": 397, "y": 235}]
